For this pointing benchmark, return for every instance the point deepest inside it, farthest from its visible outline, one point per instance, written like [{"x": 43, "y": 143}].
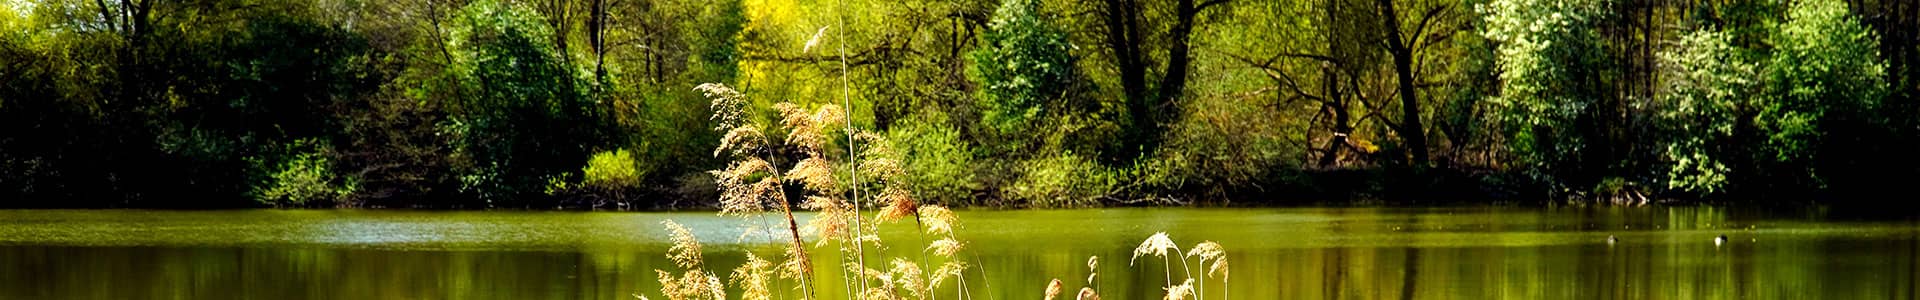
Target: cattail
[
  {"x": 1086, "y": 293},
  {"x": 945, "y": 247},
  {"x": 1180, "y": 292},
  {"x": 938, "y": 219},
  {"x": 686, "y": 249},
  {"x": 752, "y": 277},
  {"x": 1053, "y": 289}
]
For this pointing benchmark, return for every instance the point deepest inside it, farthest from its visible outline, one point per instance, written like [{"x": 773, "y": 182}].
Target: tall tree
[{"x": 1126, "y": 34}]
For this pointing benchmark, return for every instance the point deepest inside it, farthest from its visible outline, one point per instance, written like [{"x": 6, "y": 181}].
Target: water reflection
[{"x": 1482, "y": 253}]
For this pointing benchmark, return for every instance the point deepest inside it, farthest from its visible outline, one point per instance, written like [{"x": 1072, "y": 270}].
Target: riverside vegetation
[
  {"x": 541, "y": 104},
  {"x": 753, "y": 186}
]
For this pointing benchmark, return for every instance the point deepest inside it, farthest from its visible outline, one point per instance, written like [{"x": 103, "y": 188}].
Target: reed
[
  {"x": 1211, "y": 251},
  {"x": 694, "y": 282},
  {"x": 1159, "y": 244},
  {"x": 754, "y": 183},
  {"x": 1053, "y": 289},
  {"x": 741, "y": 194},
  {"x": 753, "y": 277}
]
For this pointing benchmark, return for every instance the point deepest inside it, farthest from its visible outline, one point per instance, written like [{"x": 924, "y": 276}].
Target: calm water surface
[{"x": 1311, "y": 253}]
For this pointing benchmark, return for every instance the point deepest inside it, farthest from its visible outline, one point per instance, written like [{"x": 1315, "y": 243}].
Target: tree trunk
[{"x": 1410, "y": 128}]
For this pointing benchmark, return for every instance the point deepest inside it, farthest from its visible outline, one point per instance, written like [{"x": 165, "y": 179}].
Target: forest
[{"x": 592, "y": 104}]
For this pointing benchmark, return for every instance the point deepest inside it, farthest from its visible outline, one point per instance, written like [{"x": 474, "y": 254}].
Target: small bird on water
[
  {"x": 1611, "y": 239},
  {"x": 1720, "y": 240}
]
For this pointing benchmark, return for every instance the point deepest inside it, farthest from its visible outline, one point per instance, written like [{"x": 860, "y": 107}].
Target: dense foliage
[{"x": 591, "y": 103}]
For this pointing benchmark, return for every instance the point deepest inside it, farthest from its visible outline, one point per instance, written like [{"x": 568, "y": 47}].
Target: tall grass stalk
[{"x": 846, "y": 99}]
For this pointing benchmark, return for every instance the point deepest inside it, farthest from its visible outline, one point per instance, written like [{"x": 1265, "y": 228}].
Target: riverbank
[{"x": 1285, "y": 253}]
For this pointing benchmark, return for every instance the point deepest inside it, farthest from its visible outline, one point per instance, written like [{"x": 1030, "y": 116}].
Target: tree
[
  {"x": 1825, "y": 82},
  {"x": 1023, "y": 66},
  {"x": 1553, "y": 101},
  {"x": 1701, "y": 103},
  {"x": 523, "y": 122},
  {"x": 1128, "y": 33}
]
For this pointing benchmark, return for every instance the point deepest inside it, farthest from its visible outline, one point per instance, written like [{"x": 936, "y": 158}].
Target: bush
[
  {"x": 1064, "y": 180},
  {"x": 612, "y": 170},
  {"x": 305, "y": 178},
  {"x": 938, "y": 161}
]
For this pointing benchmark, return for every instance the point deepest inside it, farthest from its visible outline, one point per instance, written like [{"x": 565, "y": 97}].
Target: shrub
[
  {"x": 1065, "y": 180},
  {"x": 612, "y": 170},
  {"x": 938, "y": 161},
  {"x": 304, "y": 178}
]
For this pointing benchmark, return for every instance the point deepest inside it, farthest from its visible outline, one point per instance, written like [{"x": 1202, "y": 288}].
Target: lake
[{"x": 1288, "y": 253}]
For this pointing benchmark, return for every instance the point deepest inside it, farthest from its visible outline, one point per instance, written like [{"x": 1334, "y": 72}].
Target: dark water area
[{"x": 1287, "y": 253}]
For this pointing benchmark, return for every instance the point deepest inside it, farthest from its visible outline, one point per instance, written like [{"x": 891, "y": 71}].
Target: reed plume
[
  {"x": 1180, "y": 292},
  {"x": 686, "y": 249},
  {"x": 1157, "y": 245},
  {"x": 752, "y": 277},
  {"x": 938, "y": 219},
  {"x": 951, "y": 269},
  {"x": 900, "y": 204},
  {"x": 1209, "y": 250},
  {"x": 1087, "y": 293},
  {"x": 694, "y": 283},
  {"x": 815, "y": 174},
  {"x": 1093, "y": 269},
  {"x": 1053, "y": 289},
  {"x": 740, "y": 194},
  {"x": 809, "y": 130},
  {"x": 945, "y": 247},
  {"x": 908, "y": 276},
  {"x": 754, "y": 181}
]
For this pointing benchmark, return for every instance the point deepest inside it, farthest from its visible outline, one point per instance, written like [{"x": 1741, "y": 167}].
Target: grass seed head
[
  {"x": 1180, "y": 292},
  {"x": 1156, "y": 245},
  {"x": 945, "y": 247},
  {"x": 1087, "y": 293},
  {"x": 938, "y": 219},
  {"x": 1053, "y": 289},
  {"x": 686, "y": 249}
]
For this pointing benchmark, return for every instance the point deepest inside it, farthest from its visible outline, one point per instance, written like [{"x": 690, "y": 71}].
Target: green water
[{"x": 1333, "y": 253}]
